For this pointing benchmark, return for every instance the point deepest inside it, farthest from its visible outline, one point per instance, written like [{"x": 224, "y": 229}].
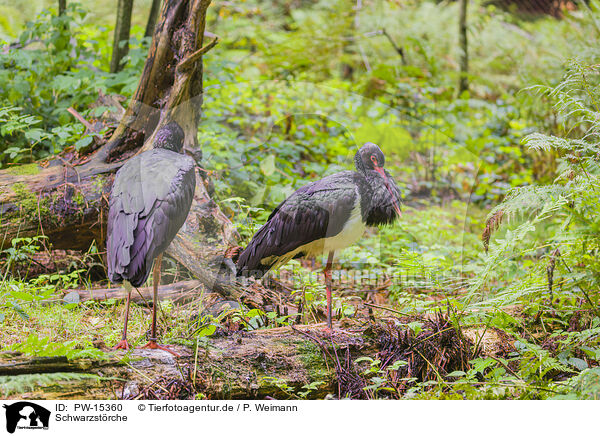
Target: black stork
[
  {"x": 325, "y": 216},
  {"x": 149, "y": 202}
]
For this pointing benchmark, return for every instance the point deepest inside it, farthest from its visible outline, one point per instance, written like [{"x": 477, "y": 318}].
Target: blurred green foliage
[{"x": 56, "y": 63}]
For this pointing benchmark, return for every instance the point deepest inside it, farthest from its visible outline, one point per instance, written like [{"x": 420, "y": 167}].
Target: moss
[
  {"x": 54, "y": 209},
  {"x": 27, "y": 200},
  {"x": 312, "y": 359},
  {"x": 79, "y": 199},
  {"x": 98, "y": 182},
  {"x": 24, "y": 170},
  {"x": 29, "y": 203}
]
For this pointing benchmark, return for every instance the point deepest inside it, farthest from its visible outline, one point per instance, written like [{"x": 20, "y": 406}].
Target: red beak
[{"x": 395, "y": 203}]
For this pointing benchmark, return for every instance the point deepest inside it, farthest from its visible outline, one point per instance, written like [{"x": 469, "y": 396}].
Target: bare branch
[{"x": 189, "y": 62}]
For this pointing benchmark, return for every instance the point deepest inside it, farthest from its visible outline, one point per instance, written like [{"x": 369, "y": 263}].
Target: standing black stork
[
  {"x": 325, "y": 216},
  {"x": 149, "y": 202}
]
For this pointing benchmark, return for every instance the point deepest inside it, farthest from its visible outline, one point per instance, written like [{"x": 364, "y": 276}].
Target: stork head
[
  {"x": 170, "y": 137},
  {"x": 369, "y": 157}
]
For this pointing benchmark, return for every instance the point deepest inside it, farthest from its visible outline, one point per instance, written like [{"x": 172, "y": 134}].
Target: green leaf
[
  {"x": 22, "y": 295},
  {"x": 35, "y": 135},
  {"x": 415, "y": 326},
  {"x": 397, "y": 365},
  {"x": 207, "y": 330},
  {"x": 481, "y": 364},
  {"x": 578, "y": 363},
  {"x": 20, "y": 311},
  {"x": 254, "y": 312},
  {"x": 267, "y": 165},
  {"x": 83, "y": 142}
]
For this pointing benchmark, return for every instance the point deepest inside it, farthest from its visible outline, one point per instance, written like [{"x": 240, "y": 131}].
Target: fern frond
[{"x": 528, "y": 199}]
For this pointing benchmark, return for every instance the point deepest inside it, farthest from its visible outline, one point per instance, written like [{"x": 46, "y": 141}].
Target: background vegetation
[{"x": 292, "y": 88}]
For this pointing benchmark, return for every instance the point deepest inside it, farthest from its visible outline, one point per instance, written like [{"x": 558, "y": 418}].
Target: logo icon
[{"x": 26, "y": 415}]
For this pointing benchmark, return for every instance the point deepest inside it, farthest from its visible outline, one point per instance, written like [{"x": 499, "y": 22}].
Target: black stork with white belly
[
  {"x": 149, "y": 202},
  {"x": 325, "y": 216}
]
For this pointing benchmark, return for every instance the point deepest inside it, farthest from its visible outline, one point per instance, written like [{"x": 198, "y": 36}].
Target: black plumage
[
  {"x": 320, "y": 210},
  {"x": 149, "y": 202},
  {"x": 315, "y": 211}
]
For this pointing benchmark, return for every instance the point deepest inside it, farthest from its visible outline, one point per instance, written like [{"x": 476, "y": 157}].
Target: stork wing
[
  {"x": 149, "y": 202},
  {"x": 315, "y": 211}
]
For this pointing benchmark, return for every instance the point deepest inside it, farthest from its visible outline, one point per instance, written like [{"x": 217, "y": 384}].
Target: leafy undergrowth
[{"x": 543, "y": 347}]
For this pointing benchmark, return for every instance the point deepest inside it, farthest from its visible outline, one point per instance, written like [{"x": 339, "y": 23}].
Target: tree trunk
[
  {"x": 176, "y": 292},
  {"x": 463, "y": 80},
  {"x": 152, "y": 17},
  {"x": 68, "y": 202},
  {"x": 62, "y": 7},
  {"x": 121, "y": 38}
]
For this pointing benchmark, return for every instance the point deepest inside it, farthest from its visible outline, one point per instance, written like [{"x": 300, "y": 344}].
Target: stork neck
[
  {"x": 377, "y": 205},
  {"x": 358, "y": 163}
]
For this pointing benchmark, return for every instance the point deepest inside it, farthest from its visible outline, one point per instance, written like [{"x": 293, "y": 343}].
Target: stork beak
[{"x": 395, "y": 203}]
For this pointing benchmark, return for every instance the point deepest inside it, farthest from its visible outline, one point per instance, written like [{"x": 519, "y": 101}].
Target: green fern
[
  {"x": 561, "y": 217},
  {"x": 41, "y": 346}
]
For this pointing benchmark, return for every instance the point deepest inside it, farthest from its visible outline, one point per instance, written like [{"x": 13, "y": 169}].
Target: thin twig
[
  {"x": 432, "y": 367},
  {"x": 386, "y": 308},
  {"x": 189, "y": 62},
  {"x": 154, "y": 382},
  {"x": 81, "y": 119},
  {"x": 481, "y": 338},
  {"x": 509, "y": 369},
  {"x": 399, "y": 50}
]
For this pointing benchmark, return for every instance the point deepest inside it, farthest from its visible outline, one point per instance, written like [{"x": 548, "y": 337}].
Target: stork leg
[
  {"x": 124, "y": 345},
  {"x": 327, "y": 274},
  {"x": 156, "y": 281}
]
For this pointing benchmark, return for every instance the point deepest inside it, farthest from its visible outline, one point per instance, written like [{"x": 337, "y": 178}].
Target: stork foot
[
  {"x": 122, "y": 345},
  {"x": 152, "y": 345},
  {"x": 327, "y": 331}
]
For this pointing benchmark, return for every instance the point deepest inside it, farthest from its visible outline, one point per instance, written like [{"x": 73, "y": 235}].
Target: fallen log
[
  {"x": 177, "y": 292},
  {"x": 17, "y": 364},
  {"x": 281, "y": 363},
  {"x": 246, "y": 365},
  {"x": 254, "y": 295}
]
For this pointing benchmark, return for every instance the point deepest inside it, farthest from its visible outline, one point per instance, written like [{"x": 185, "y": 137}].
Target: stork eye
[{"x": 374, "y": 160}]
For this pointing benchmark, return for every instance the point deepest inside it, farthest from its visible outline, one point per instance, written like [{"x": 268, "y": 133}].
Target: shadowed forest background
[{"x": 487, "y": 113}]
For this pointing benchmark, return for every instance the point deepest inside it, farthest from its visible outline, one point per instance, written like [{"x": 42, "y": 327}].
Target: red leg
[
  {"x": 123, "y": 344},
  {"x": 156, "y": 279},
  {"x": 155, "y": 283},
  {"x": 327, "y": 273}
]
